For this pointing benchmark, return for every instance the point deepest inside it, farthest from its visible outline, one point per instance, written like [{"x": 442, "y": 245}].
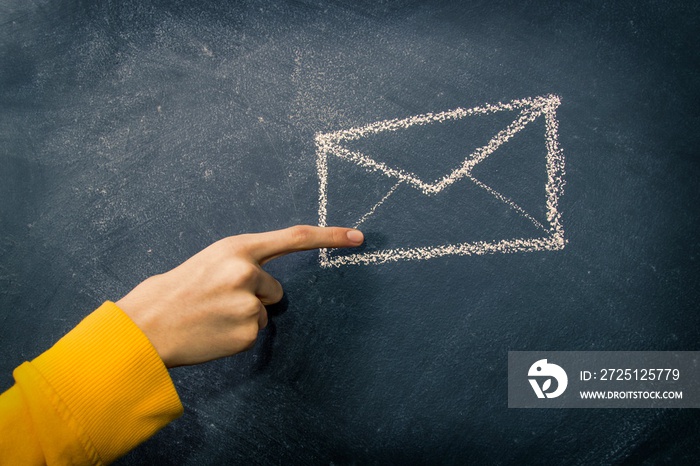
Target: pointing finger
[{"x": 264, "y": 247}]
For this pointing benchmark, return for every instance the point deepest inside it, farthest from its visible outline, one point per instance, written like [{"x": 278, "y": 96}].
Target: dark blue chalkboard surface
[{"x": 135, "y": 133}]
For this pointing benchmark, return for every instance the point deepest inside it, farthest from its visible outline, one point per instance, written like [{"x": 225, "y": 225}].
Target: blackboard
[{"x": 135, "y": 133}]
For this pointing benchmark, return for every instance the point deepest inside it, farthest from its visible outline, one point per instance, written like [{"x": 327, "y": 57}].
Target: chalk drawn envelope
[{"x": 526, "y": 111}]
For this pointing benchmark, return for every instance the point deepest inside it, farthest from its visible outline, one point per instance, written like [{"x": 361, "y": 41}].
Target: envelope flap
[
  {"x": 428, "y": 152},
  {"x": 398, "y": 143}
]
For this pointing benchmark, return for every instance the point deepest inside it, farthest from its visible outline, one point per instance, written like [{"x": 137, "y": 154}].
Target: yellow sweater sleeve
[{"x": 96, "y": 394}]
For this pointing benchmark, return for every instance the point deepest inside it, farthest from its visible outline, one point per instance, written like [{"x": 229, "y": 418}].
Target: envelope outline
[{"x": 529, "y": 109}]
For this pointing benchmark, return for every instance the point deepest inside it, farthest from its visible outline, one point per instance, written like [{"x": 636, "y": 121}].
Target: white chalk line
[
  {"x": 531, "y": 108},
  {"x": 322, "y": 170},
  {"x": 374, "y": 208},
  {"x": 428, "y": 118},
  {"x": 553, "y": 242},
  {"x": 509, "y": 202},
  {"x": 555, "y": 170}
]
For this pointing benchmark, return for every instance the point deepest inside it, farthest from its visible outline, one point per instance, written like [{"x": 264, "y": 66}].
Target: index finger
[{"x": 269, "y": 245}]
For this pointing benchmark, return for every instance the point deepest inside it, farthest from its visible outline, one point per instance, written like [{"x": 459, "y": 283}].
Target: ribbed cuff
[{"x": 112, "y": 381}]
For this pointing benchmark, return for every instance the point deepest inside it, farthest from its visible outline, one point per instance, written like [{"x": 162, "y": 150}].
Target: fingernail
[{"x": 355, "y": 236}]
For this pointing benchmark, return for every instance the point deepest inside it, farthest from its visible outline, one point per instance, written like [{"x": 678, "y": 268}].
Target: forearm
[{"x": 96, "y": 394}]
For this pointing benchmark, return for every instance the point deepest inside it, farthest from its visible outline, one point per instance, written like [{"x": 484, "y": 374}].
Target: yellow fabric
[{"x": 96, "y": 394}]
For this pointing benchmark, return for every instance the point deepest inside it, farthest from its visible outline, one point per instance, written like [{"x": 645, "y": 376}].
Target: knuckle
[
  {"x": 249, "y": 335},
  {"x": 263, "y": 320},
  {"x": 230, "y": 243},
  {"x": 233, "y": 246},
  {"x": 250, "y": 305},
  {"x": 300, "y": 235},
  {"x": 244, "y": 272}
]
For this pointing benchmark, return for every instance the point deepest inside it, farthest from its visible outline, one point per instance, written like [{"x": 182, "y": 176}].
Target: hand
[{"x": 213, "y": 304}]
